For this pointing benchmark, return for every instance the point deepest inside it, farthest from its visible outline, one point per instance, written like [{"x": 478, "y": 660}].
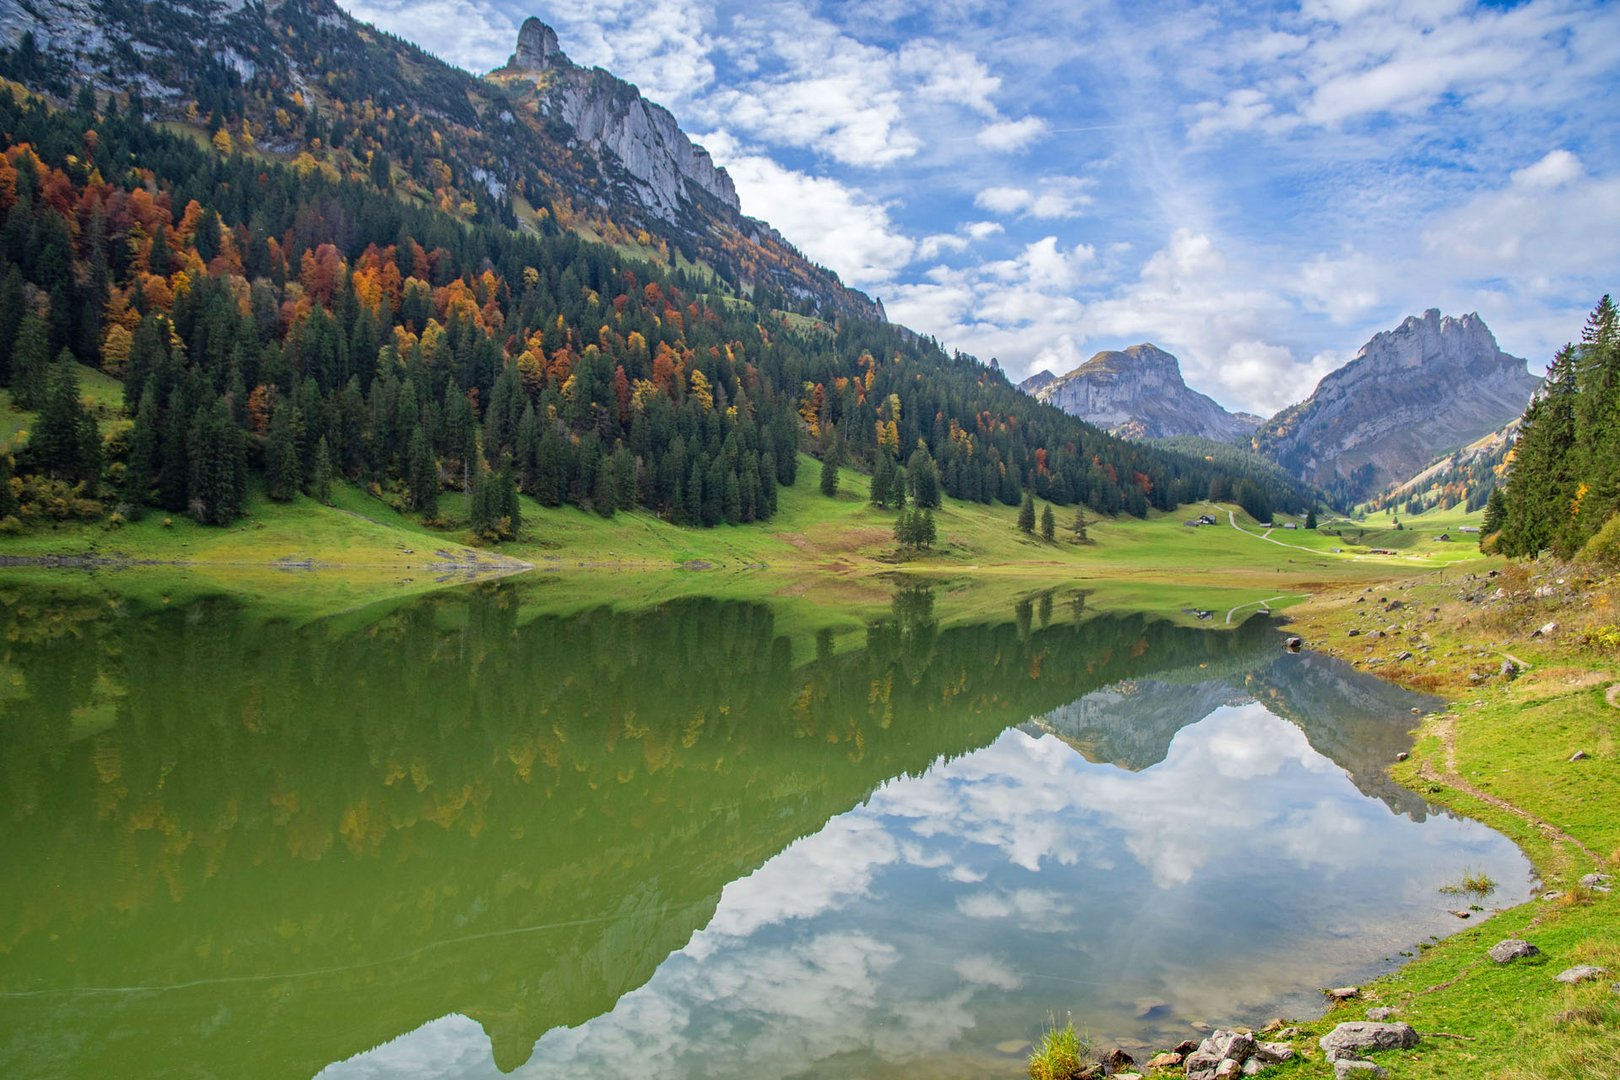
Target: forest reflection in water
[{"x": 538, "y": 841}]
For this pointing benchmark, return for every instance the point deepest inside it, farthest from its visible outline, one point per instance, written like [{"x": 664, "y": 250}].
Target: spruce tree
[
  {"x": 925, "y": 528},
  {"x": 923, "y": 475},
  {"x": 605, "y": 489},
  {"x": 829, "y": 473},
  {"x": 217, "y": 451},
  {"x": 66, "y": 441},
  {"x": 1026, "y": 514},
  {"x": 1310, "y": 518},
  {"x": 30, "y": 363},
  {"x": 1495, "y": 516},
  {"x": 320, "y": 480},
  {"x": 1078, "y": 525},
  {"x": 142, "y": 462},
  {"x": 1048, "y": 524},
  {"x": 423, "y": 476},
  {"x": 283, "y": 465}
]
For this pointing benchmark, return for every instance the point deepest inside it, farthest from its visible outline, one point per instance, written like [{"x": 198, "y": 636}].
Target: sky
[{"x": 1255, "y": 188}]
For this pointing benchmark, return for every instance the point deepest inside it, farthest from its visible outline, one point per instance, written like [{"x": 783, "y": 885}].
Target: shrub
[
  {"x": 1603, "y": 550},
  {"x": 1060, "y": 1055}
]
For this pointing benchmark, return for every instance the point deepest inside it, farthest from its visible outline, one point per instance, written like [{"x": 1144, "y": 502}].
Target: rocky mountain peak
[
  {"x": 537, "y": 47},
  {"x": 1138, "y": 392},
  {"x": 1425, "y": 388}
]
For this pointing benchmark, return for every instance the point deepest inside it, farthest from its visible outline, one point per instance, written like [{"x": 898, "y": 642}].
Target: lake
[{"x": 481, "y": 833}]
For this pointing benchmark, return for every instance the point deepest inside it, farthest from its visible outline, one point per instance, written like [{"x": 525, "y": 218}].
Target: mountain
[
  {"x": 1430, "y": 385},
  {"x": 541, "y": 144},
  {"x": 1464, "y": 476},
  {"x": 1138, "y": 393}
]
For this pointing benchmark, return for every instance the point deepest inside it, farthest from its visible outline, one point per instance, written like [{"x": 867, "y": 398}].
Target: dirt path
[{"x": 1445, "y": 728}]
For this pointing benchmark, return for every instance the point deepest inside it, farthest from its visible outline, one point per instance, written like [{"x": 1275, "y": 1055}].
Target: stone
[
  {"x": 1403, "y": 655},
  {"x": 1117, "y": 1059},
  {"x": 1356, "y": 1069},
  {"x": 1580, "y": 974},
  {"x": 1202, "y": 1066},
  {"x": 1347, "y": 1040},
  {"x": 1094, "y": 1071},
  {"x": 1594, "y": 881},
  {"x": 1184, "y": 1047},
  {"x": 1272, "y": 1053},
  {"x": 537, "y": 44},
  {"x": 1546, "y": 630},
  {"x": 1228, "y": 1068},
  {"x": 1545, "y": 592},
  {"x": 1354, "y": 633},
  {"x": 1239, "y": 1047},
  {"x": 1167, "y": 1060},
  {"x": 1579, "y": 755},
  {"x": 1458, "y": 913},
  {"x": 1294, "y": 644},
  {"x": 1402, "y": 756},
  {"x": 1344, "y": 993},
  {"x": 1505, "y": 952},
  {"x": 1253, "y": 1066},
  {"x": 1274, "y": 1024},
  {"x": 1380, "y": 1014},
  {"x": 1509, "y": 670}
]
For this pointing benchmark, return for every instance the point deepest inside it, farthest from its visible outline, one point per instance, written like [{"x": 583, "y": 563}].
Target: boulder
[
  {"x": 1505, "y": 952},
  {"x": 1168, "y": 1060},
  {"x": 1583, "y": 973},
  {"x": 1202, "y": 1066},
  {"x": 1294, "y": 644},
  {"x": 1184, "y": 1047},
  {"x": 1272, "y": 1053},
  {"x": 1274, "y": 1024},
  {"x": 1117, "y": 1060},
  {"x": 1228, "y": 1069},
  {"x": 1579, "y": 755},
  {"x": 1356, "y": 1069},
  {"x": 1546, "y": 630},
  {"x": 1343, "y": 993},
  {"x": 1594, "y": 881},
  {"x": 1348, "y": 1040}
]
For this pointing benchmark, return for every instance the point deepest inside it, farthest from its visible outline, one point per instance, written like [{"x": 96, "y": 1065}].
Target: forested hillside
[
  {"x": 269, "y": 317},
  {"x": 1564, "y": 484}
]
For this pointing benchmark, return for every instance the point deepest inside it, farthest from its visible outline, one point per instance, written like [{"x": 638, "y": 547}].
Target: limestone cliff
[
  {"x": 1139, "y": 393},
  {"x": 1425, "y": 388}
]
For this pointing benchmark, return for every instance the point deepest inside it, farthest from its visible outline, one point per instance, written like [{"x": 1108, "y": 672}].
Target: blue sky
[{"x": 1258, "y": 189}]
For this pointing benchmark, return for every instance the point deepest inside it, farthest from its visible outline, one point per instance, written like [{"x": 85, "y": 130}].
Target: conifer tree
[
  {"x": 66, "y": 441},
  {"x": 1048, "y": 523},
  {"x": 142, "y": 462},
  {"x": 923, "y": 475},
  {"x": 423, "y": 477},
  {"x": 320, "y": 480},
  {"x": 1310, "y": 518},
  {"x": 30, "y": 362},
  {"x": 283, "y": 466},
  {"x": 829, "y": 473},
  {"x": 1495, "y": 516},
  {"x": 1026, "y": 514},
  {"x": 217, "y": 451},
  {"x": 1078, "y": 525}
]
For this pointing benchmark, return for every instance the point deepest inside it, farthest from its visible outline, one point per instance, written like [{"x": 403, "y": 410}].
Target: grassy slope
[
  {"x": 836, "y": 543},
  {"x": 1501, "y": 754}
]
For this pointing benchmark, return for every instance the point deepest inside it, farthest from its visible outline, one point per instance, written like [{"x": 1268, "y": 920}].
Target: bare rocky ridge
[
  {"x": 611, "y": 120},
  {"x": 1427, "y": 387},
  {"x": 1139, "y": 393}
]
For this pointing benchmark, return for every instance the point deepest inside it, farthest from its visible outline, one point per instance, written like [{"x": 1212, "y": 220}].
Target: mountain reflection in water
[{"x": 666, "y": 843}]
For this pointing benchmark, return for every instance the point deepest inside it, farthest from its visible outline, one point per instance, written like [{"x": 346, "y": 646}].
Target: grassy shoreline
[{"x": 1501, "y": 754}]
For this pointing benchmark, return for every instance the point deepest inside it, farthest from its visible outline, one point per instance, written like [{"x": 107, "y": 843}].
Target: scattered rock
[
  {"x": 1272, "y": 1053},
  {"x": 1344, "y": 993},
  {"x": 1552, "y": 896},
  {"x": 1505, "y": 952},
  {"x": 1167, "y": 1060},
  {"x": 1354, "y": 633},
  {"x": 1094, "y": 1071},
  {"x": 1583, "y": 973},
  {"x": 1356, "y": 1069},
  {"x": 1380, "y": 1014},
  {"x": 1227, "y": 1069},
  {"x": 1403, "y": 655},
  {"x": 1545, "y": 592},
  {"x": 1509, "y": 670},
  {"x": 1274, "y": 1024},
  {"x": 1346, "y": 1040},
  {"x": 1184, "y": 1047},
  {"x": 1402, "y": 756},
  {"x": 1295, "y": 644},
  {"x": 1579, "y": 755},
  {"x": 1546, "y": 630},
  {"x": 1396, "y": 605},
  {"x": 1461, "y": 914},
  {"x": 1116, "y": 1060},
  {"x": 1594, "y": 881}
]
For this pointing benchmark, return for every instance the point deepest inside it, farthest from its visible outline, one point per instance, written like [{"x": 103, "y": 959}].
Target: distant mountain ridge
[
  {"x": 1431, "y": 385},
  {"x": 1139, "y": 393}
]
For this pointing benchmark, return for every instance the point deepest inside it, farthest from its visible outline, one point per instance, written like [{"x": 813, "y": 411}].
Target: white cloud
[
  {"x": 1061, "y": 197},
  {"x": 1007, "y": 135},
  {"x": 474, "y": 36},
  {"x": 833, "y": 224}
]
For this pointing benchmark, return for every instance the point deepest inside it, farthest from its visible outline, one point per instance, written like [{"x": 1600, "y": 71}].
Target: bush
[
  {"x": 1060, "y": 1055},
  {"x": 1603, "y": 550}
]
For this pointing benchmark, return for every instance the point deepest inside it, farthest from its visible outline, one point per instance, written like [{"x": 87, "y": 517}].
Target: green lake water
[{"x": 468, "y": 836}]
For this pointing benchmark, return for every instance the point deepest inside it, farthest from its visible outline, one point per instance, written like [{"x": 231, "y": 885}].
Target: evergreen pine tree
[
  {"x": 923, "y": 475},
  {"x": 1078, "y": 526},
  {"x": 605, "y": 489},
  {"x": 30, "y": 362},
  {"x": 508, "y": 511},
  {"x": 423, "y": 476},
  {"x": 142, "y": 462},
  {"x": 1048, "y": 523},
  {"x": 925, "y": 528},
  {"x": 217, "y": 451},
  {"x": 1310, "y": 518},
  {"x": 829, "y": 473},
  {"x": 1026, "y": 514},
  {"x": 66, "y": 441},
  {"x": 283, "y": 466},
  {"x": 320, "y": 480},
  {"x": 1495, "y": 516}
]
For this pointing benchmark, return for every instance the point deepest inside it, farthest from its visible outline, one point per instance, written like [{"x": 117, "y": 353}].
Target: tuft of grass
[
  {"x": 1061, "y": 1053},
  {"x": 1473, "y": 883}
]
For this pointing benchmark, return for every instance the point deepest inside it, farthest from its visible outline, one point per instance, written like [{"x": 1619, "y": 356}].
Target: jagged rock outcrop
[
  {"x": 1139, "y": 393},
  {"x": 623, "y": 130},
  {"x": 1429, "y": 386},
  {"x": 1037, "y": 382},
  {"x": 541, "y": 143}
]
